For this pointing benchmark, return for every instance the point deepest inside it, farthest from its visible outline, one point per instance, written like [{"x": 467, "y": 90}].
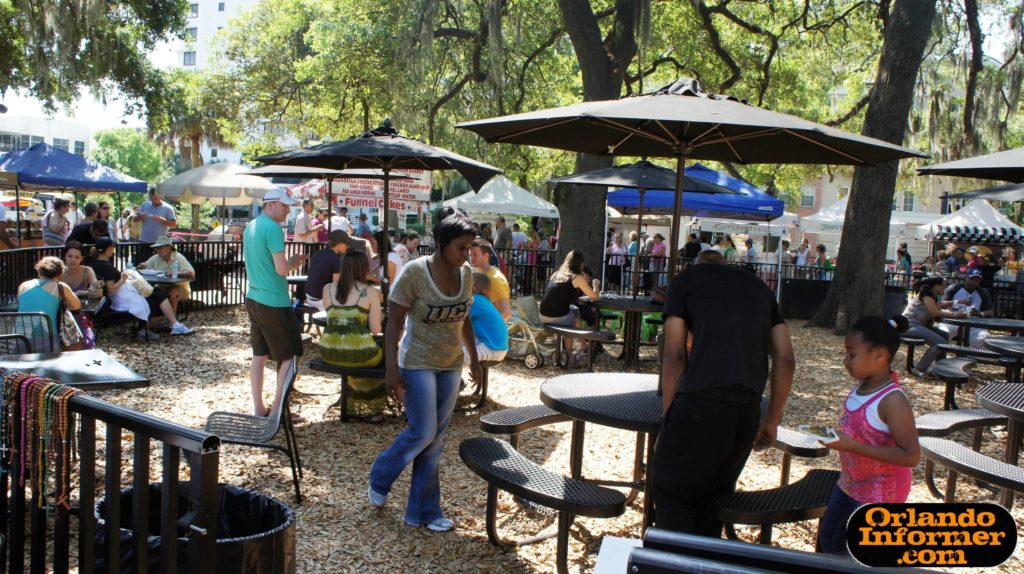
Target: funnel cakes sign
[{"x": 404, "y": 194}]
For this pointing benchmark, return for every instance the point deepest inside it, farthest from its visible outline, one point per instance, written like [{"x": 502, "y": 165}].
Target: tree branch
[
  {"x": 716, "y": 44},
  {"x": 857, "y": 107},
  {"x": 970, "y": 141}
]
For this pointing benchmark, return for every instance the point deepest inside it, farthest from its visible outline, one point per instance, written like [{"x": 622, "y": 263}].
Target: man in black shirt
[
  {"x": 692, "y": 248},
  {"x": 712, "y": 393},
  {"x": 325, "y": 265},
  {"x": 88, "y": 233}
]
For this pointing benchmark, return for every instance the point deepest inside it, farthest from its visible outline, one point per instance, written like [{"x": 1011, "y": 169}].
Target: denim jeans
[
  {"x": 832, "y": 528},
  {"x": 429, "y": 403},
  {"x": 933, "y": 337}
]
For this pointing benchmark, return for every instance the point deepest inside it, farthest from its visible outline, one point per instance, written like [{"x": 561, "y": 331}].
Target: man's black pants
[{"x": 703, "y": 445}]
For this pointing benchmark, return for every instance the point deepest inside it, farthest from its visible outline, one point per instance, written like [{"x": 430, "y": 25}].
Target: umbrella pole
[
  {"x": 778, "y": 266},
  {"x": 17, "y": 213},
  {"x": 383, "y": 255},
  {"x": 330, "y": 203},
  {"x": 677, "y": 207},
  {"x": 639, "y": 228}
]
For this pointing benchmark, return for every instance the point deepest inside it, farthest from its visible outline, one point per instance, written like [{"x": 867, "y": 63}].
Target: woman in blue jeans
[
  {"x": 431, "y": 302},
  {"x": 921, "y": 313}
]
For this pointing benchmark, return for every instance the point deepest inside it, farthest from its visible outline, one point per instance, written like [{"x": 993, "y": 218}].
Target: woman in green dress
[{"x": 353, "y": 317}]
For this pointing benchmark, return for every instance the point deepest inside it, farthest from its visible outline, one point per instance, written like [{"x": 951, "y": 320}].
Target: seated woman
[
  {"x": 164, "y": 259},
  {"x": 78, "y": 276},
  {"x": 124, "y": 296},
  {"x": 353, "y": 317},
  {"x": 488, "y": 325},
  {"x": 41, "y": 295},
  {"x": 567, "y": 285},
  {"x": 921, "y": 313}
]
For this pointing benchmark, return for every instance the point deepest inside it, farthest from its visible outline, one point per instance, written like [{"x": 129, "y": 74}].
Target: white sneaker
[
  {"x": 377, "y": 499},
  {"x": 146, "y": 335},
  {"x": 180, "y": 329},
  {"x": 437, "y": 525}
]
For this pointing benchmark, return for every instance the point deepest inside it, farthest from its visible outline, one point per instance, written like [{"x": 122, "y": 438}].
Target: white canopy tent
[
  {"x": 776, "y": 228},
  {"x": 831, "y": 219},
  {"x": 502, "y": 197},
  {"x": 976, "y": 222}
]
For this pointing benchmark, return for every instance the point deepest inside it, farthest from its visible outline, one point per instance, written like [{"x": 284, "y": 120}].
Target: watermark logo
[{"x": 941, "y": 535}]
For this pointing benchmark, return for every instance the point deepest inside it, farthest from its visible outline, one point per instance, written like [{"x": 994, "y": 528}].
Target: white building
[{"x": 23, "y": 131}]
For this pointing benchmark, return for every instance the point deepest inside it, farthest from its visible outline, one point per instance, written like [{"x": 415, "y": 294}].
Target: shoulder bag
[{"x": 70, "y": 335}]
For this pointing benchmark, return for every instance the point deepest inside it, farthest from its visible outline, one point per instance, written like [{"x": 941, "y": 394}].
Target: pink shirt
[{"x": 864, "y": 479}]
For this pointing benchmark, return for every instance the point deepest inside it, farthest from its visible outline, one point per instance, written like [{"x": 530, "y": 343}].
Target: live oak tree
[
  {"x": 53, "y": 49},
  {"x": 858, "y": 287}
]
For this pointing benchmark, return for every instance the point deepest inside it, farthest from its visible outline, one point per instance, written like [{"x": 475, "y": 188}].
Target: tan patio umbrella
[
  {"x": 682, "y": 121},
  {"x": 1004, "y": 165}
]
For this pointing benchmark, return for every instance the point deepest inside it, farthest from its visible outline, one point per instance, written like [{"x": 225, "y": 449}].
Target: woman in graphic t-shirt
[{"x": 431, "y": 301}]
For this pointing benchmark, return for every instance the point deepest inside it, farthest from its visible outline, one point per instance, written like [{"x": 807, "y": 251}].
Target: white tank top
[{"x": 855, "y": 400}]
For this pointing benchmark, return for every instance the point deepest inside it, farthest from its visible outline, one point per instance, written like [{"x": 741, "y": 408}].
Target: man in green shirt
[{"x": 273, "y": 328}]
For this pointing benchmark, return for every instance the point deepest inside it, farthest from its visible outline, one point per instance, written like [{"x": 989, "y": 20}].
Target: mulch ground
[{"x": 337, "y": 529}]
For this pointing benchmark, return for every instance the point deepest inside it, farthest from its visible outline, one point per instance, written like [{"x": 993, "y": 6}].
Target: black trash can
[
  {"x": 255, "y": 534},
  {"x": 895, "y": 300}
]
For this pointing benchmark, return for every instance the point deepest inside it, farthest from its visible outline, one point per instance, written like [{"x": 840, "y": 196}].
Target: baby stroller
[{"x": 527, "y": 339}]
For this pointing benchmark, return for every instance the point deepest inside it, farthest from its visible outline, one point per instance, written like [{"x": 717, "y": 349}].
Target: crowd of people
[{"x": 89, "y": 268}]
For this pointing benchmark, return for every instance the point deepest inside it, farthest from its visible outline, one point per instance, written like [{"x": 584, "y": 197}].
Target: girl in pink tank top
[{"x": 877, "y": 441}]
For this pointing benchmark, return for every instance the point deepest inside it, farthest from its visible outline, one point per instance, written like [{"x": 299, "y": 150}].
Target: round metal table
[
  {"x": 1006, "y": 399},
  {"x": 624, "y": 401},
  {"x": 633, "y": 311},
  {"x": 1014, "y": 326},
  {"x": 1012, "y": 347}
]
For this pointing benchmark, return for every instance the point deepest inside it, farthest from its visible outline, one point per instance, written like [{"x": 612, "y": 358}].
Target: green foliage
[
  {"x": 53, "y": 49},
  {"x": 296, "y": 72},
  {"x": 131, "y": 152}
]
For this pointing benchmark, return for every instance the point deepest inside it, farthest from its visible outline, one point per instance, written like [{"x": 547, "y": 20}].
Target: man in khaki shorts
[{"x": 274, "y": 329}]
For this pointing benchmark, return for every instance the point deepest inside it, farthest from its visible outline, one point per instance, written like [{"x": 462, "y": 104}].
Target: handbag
[
  {"x": 140, "y": 283},
  {"x": 70, "y": 335}
]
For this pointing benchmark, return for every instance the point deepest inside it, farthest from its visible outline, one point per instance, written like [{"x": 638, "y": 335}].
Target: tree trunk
[
  {"x": 859, "y": 284},
  {"x": 197, "y": 160},
  {"x": 603, "y": 63}
]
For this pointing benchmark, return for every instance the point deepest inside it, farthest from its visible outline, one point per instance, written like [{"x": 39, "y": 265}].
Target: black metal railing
[{"x": 196, "y": 528}]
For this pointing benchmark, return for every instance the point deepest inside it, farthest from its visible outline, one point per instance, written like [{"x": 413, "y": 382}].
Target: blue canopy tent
[
  {"x": 43, "y": 167},
  {"x": 747, "y": 204}
]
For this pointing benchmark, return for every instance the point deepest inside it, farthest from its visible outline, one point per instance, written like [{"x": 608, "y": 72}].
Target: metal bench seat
[
  {"x": 590, "y": 336},
  {"x": 519, "y": 419},
  {"x": 953, "y": 372},
  {"x": 804, "y": 499},
  {"x": 959, "y": 459},
  {"x": 945, "y": 423},
  {"x": 319, "y": 365},
  {"x": 481, "y": 385},
  {"x": 911, "y": 343},
  {"x": 503, "y": 468}
]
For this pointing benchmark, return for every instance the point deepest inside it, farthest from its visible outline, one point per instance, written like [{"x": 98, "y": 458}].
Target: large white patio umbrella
[{"x": 221, "y": 183}]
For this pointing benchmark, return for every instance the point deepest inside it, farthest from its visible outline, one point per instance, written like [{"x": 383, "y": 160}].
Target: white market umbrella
[{"x": 221, "y": 183}]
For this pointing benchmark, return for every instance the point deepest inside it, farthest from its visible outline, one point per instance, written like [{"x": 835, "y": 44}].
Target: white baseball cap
[{"x": 279, "y": 194}]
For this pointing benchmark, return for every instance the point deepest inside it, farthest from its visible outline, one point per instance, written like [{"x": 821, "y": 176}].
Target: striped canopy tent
[{"x": 976, "y": 222}]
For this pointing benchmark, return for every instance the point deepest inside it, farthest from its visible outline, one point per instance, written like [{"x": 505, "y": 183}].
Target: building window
[
  {"x": 80, "y": 147},
  {"x": 29, "y": 141},
  {"x": 213, "y": 153},
  {"x": 908, "y": 201},
  {"x": 806, "y": 196},
  {"x": 190, "y": 59},
  {"x": 191, "y": 34},
  {"x": 9, "y": 142},
  {"x": 844, "y": 190},
  {"x": 193, "y": 10},
  {"x": 60, "y": 144},
  {"x": 220, "y": 7}
]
